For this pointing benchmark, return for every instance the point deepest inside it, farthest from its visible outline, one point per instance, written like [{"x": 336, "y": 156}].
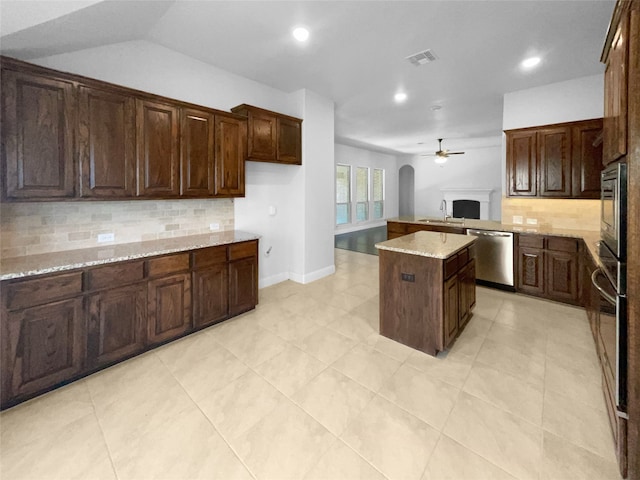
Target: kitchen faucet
[{"x": 443, "y": 207}]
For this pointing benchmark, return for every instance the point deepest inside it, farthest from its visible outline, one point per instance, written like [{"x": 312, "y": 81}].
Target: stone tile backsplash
[
  {"x": 572, "y": 214},
  {"x": 33, "y": 228}
]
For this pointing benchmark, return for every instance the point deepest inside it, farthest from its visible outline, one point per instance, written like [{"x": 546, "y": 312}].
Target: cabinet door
[
  {"x": 117, "y": 320},
  {"x": 451, "y": 309},
  {"x": 262, "y": 136},
  {"x": 243, "y": 282},
  {"x": 37, "y": 133},
  {"x": 470, "y": 285},
  {"x": 561, "y": 276},
  {"x": 289, "y": 141},
  {"x": 197, "y": 153},
  {"x": 615, "y": 94},
  {"x": 530, "y": 270},
  {"x": 210, "y": 295},
  {"x": 106, "y": 143},
  {"x": 586, "y": 159},
  {"x": 522, "y": 163},
  {"x": 169, "y": 313},
  {"x": 41, "y": 347},
  {"x": 554, "y": 162},
  {"x": 158, "y": 154},
  {"x": 231, "y": 140},
  {"x": 463, "y": 301}
]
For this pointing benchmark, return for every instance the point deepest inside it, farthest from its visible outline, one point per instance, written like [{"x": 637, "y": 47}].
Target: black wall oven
[{"x": 610, "y": 280}]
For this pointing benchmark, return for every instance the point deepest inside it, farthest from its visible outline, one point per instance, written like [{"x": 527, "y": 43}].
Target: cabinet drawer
[
  {"x": 28, "y": 293},
  {"x": 395, "y": 227},
  {"x": 463, "y": 257},
  {"x": 168, "y": 264},
  {"x": 209, "y": 256},
  {"x": 243, "y": 250},
  {"x": 113, "y": 275},
  {"x": 450, "y": 266},
  {"x": 561, "y": 244},
  {"x": 532, "y": 241}
]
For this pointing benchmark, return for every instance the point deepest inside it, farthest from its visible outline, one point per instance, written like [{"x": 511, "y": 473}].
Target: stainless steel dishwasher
[{"x": 494, "y": 258}]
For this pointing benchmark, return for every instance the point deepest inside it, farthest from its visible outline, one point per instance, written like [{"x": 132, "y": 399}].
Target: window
[
  {"x": 362, "y": 194},
  {"x": 378, "y": 193},
  {"x": 343, "y": 194}
]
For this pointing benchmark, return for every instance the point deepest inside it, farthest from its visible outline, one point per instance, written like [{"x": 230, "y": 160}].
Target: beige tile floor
[{"x": 304, "y": 388}]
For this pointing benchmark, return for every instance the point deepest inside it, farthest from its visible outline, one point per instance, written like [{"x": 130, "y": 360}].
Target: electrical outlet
[
  {"x": 532, "y": 221},
  {"x": 106, "y": 237},
  {"x": 517, "y": 219},
  {"x": 214, "y": 226}
]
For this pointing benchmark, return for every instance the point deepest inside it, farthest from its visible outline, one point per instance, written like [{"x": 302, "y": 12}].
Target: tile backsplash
[
  {"x": 558, "y": 213},
  {"x": 32, "y": 228}
]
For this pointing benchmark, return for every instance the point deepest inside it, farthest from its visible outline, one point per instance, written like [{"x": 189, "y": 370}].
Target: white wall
[
  {"x": 155, "y": 69},
  {"x": 477, "y": 168},
  {"x": 578, "y": 99},
  {"x": 359, "y": 157}
]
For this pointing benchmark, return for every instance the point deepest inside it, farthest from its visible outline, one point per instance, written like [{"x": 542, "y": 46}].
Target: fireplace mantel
[{"x": 482, "y": 195}]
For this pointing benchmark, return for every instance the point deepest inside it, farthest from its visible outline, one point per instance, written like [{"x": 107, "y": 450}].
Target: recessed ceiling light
[
  {"x": 301, "y": 34},
  {"x": 530, "y": 62},
  {"x": 400, "y": 97}
]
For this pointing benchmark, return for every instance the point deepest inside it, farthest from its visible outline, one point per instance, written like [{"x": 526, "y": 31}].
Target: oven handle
[{"x": 611, "y": 299}]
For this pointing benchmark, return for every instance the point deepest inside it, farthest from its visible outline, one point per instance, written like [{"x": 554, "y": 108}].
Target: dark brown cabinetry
[
  {"x": 615, "y": 94},
  {"x": 398, "y": 229},
  {"x": 451, "y": 309},
  {"x": 158, "y": 155},
  {"x": 56, "y": 328},
  {"x": 106, "y": 143},
  {"x": 272, "y": 137},
  {"x": 37, "y": 136},
  {"x": 548, "y": 267},
  {"x": 231, "y": 141},
  {"x": 243, "y": 275},
  {"x": 128, "y": 144},
  {"x": 197, "y": 153},
  {"x": 555, "y": 161}
]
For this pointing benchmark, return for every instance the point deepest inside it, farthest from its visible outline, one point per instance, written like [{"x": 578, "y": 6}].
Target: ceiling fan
[{"x": 441, "y": 155}]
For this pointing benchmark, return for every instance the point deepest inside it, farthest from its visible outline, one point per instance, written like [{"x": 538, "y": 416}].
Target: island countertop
[
  {"x": 18, "y": 267},
  {"x": 428, "y": 244}
]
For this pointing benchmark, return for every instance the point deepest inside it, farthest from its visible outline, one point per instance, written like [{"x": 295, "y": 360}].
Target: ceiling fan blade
[{"x": 455, "y": 153}]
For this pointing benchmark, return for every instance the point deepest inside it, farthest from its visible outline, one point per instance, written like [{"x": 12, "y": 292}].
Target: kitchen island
[{"x": 427, "y": 288}]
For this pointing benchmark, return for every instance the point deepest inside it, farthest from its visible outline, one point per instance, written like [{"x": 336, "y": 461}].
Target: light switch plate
[
  {"x": 517, "y": 219},
  {"x": 532, "y": 221}
]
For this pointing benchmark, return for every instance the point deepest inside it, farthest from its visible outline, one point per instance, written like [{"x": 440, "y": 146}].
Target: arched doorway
[{"x": 406, "y": 190}]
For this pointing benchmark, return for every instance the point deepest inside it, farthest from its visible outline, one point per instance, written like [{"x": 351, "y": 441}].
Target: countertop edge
[
  {"x": 191, "y": 242},
  {"x": 425, "y": 253}
]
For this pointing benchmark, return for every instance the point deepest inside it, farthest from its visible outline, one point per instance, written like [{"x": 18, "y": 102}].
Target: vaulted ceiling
[{"x": 356, "y": 53}]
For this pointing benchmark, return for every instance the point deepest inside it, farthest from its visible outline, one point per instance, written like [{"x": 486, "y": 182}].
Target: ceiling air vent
[{"x": 422, "y": 58}]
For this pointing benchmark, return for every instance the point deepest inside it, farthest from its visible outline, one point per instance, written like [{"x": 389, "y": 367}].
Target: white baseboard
[
  {"x": 272, "y": 280},
  {"x": 313, "y": 276}
]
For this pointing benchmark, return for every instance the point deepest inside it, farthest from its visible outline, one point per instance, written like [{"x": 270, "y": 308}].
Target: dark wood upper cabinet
[
  {"x": 37, "y": 136},
  {"x": 521, "y": 163},
  {"x": 230, "y": 152},
  {"x": 158, "y": 152},
  {"x": 197, "y": 153},
  {"x": 586, "y": 158},
  {"x": 554, "y": 157},
  {"x": 555, "y": 161},
  {"x": 106, "y": 143},
  {"x": 289, "y": 140},
  {"x": 272, "y": 137},
  {"x": 615, "y": 94}
]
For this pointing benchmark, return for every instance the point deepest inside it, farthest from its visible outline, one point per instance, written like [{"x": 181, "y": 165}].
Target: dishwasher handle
[{"x": 486, "y": 233}]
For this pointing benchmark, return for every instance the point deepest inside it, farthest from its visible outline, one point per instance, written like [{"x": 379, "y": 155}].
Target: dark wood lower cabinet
[
  {"x": 169, "y": 308},
  {"x": 210, "y": 295},
  {"x": 451, "y": 308},
  {"x": 41, "y": 346},
  {"x": 562, "y": 275},
  {"x": 59, "y": 327},
  {"x": 117, "y": 319},
  {"x": 530, "y": 266}
]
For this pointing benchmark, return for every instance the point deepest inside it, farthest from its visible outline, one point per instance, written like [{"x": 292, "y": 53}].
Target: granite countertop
[
  {"x": 590, "y": 237},
  {"x": 18, "y": 267},
  {"x": 428, "y": 244}
]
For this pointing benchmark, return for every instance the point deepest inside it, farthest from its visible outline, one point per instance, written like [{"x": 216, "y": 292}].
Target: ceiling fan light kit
[{"x": 441, "y": 155}]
